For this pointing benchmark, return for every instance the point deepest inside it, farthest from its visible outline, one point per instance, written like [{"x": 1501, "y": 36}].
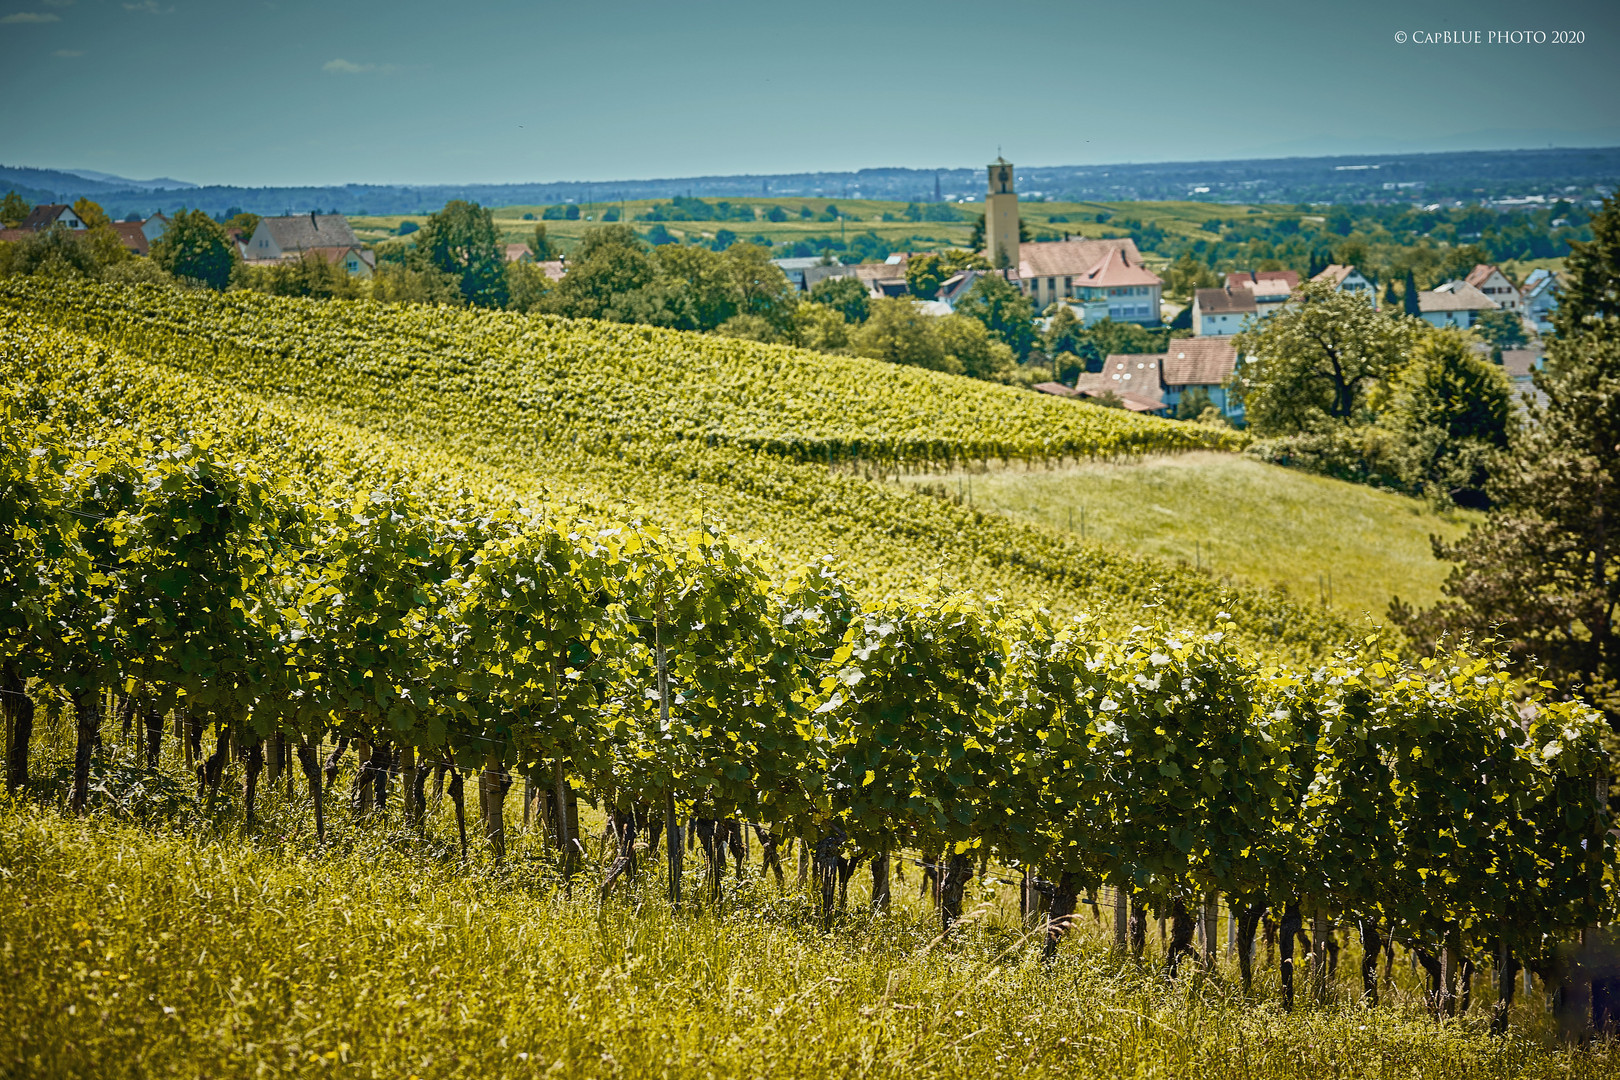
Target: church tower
[{"x": 1001, "y": 217}]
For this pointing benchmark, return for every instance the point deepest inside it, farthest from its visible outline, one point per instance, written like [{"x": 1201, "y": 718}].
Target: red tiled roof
[
  {"x": 1248, "y": 278},
  {"x": 44, "y": 215},
  {"x": 1226, "y": 301},
  {"x": 1198, "y": 361},
  {"x": 1115, "y": 271},
  {"x": 132, "y": 236},
  {"x": 1335, "y": 273},
  {"x": 1071, "y": 258}
]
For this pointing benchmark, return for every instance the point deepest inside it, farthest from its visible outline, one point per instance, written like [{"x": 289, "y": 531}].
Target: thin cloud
[
  {"x": 149, "y": 7},
  {"x": 341, "y": 66},
  {"x": 29, "y": 17},
  {"x": 68, "y": 54}
]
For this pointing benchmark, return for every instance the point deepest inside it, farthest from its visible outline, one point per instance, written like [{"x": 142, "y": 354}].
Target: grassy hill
[
  {"x": 1346, "y": 545},
  {"x": 632, "y": 422}
]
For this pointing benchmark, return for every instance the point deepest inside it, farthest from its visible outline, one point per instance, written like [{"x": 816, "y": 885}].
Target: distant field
[
  {"x": 1256, "y": 522},
  {"x": 1182, "y": 218}
]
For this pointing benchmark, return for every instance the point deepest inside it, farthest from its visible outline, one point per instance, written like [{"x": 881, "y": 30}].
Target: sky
[{"x": 362, "y": 91}]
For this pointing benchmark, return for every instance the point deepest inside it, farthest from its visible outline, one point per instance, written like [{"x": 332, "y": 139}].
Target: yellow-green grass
[
  {"x": 1182, "y": 218},
  {"x": 1319, "y": 538},
  {"x": 187, "y": 945}
]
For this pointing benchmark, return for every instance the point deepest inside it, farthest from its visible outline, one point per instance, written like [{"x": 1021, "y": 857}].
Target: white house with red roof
[
  {"x": 1107, "y": 277},
  {"x": 1347, "y": 279},
  {"x": 1496, "y": 285}
]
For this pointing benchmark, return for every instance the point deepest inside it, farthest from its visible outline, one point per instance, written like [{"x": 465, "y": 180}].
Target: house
[
  {"x": 1540, "y": 296},
  {"x": 1157, "y": 382},
  {"x": 45, "y": 216},
  {"x": 1495, "y": 284},
  {"x": 794, "y": 268},
  {"x": 133, "y": 237},
  {"x": 355, "y": 259},
  {"x": 278, "y": 238},
  {"x": 1096, "y": 386},
  {"x": 1091, "y": 272},
  {"x": 554, "y": 268},
  {"x": 1134, "y": 377},
  {"x": 1271, "y": 288},
  {"x": 1223, "y": 311},
  {"x": 880, "y": 279},
  {"x": 1347, "y": 279},
  {"x": 519, "y": 253},
  {"x": 154, "y": 227},
  {"x": 1456, "y": 303},
  {"x": 954, "y": 288},
  {"x": 1521, "y": 366},
  {"x": 1200, "y": 363}
]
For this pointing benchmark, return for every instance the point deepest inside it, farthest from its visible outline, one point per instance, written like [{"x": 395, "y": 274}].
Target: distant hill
[
  {"x": 124, "y": 183},
  {"x": 1468, "y": 175}
]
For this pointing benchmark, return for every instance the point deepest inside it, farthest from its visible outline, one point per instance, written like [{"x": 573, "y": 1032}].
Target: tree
[
  {"x": 1409, "y": 296},
  {"x": 1541, "y": 570},
  {"x": 610, "y": 266},
  {"x": 1313, "y": 364},
  {"x": 975, "y": 350},
  {"x": 1500, "y": 330},
  {"x": 1064, "y": 333},
  {"x": 243, "y": 222},
  {"x": 976, "y": 237},
  {"x": 897, "y": 332},
  {"x": 403, "y": 283},
  {"x": 526, "y": 286},
  {"x": 1450, "y": 410},
  {"x": 818, "y": 327},
  {"x": 540, "y": 246},
  {"x": 1003, "y": 310},
  {"x": 698, "y": 290},
  {"x": 763, "y": 290},
  {"x": 13, "y": 209},
  {"x": 845, "y": 295},
  {"x": 1589, "y": 287},
  {"x": 91, "y": 213},
  {"x": 924, "y": 273},
  {"x": 195, "y": 246},
  {"x": 461, "y": 240}
]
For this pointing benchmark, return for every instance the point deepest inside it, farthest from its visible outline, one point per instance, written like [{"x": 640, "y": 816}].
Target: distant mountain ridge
[{"x": 1579, "y": 172}]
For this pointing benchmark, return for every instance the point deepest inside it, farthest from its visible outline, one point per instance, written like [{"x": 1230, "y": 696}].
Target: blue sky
[{"x": 291, "y": 92}]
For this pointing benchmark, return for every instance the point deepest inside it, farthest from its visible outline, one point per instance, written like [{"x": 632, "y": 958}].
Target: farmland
[
  {"x": 860, "y": 215},
  {"x": 578, "y": 563}
]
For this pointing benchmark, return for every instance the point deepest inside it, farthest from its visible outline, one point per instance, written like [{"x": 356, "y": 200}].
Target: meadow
[{"x": 1348, "y": 546}]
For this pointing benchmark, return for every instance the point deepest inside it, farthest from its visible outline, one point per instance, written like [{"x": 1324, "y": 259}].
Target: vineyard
[
  {"x": 591, "y": 563},
  {"x": 433, "y": 420}
]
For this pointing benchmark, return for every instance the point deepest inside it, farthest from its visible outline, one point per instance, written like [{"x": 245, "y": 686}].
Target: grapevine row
[{"x": 1440, "y": 802}]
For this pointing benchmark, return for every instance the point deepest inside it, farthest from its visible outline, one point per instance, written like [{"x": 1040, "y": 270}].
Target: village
[{"x": 1095, "y": 279}]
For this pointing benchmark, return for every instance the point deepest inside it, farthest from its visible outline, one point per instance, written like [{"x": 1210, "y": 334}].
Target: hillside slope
[
  {"x": 1348, "y": 545},
  {"x": 447, "y": 410}
]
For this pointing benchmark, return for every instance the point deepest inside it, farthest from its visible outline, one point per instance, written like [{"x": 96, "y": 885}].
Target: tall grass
[
  {"x": 180, "y": 944},
  {"x": 1323, "y": 540}
]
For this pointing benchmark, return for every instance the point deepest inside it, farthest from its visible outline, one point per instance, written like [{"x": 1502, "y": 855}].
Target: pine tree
[
  {"x": 1542, "y": 570},
  {"x": 1409, "y": 302}
]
